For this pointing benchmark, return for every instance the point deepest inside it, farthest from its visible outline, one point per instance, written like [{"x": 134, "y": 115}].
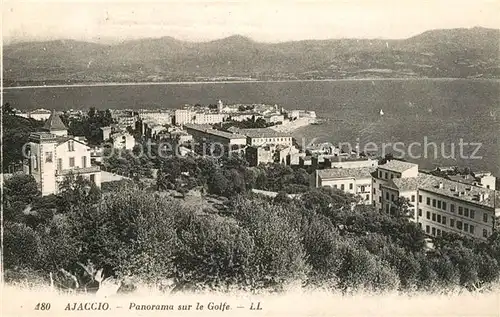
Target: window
[
  {"x": 428, "y": 215},
  {"x": 84, "y": 161},
  {"x": 460, "y": 210},
  {"x": 427, "y": 229},
  {"x": 386, "y": 195},
  {"x": 466, "y": 227},
  {"x": 342, "y": 187},
  {"x": 92, "y": 178},
  {"x": 438, "y": 232},
  {"x": 420, "y": 212},
  {"x": 485, "y": 217},
  {"x": 71, "y": 146},
  {"x": 35, "y": 162},
  {"x": 335, "y": 186},
  {"x": 350, "y": 186},
  {"x": 386, "y": 177},
  {"x": 485, "y": 233},
  {"x": 428, "y": 201},
  {"x": 459, "y": 225},
  {"x": 444, "y": 205},
  {"x": 452, "y": 222},
  {"x": 71, "y": 162},
  {"x": 452, "y": 208},
  {"x": 444, "y": 220},
  {"x": 439, "y": 204},
  {"x": 471, "y": 229},
  {"x": 392, "y": 197},
  {"x": 466, "y": 212},
  {"x": 419, "y": 198},
  {"x": 392, "y": 176},
  {"x": 433, "y": 231},
  {"x": 374, "y": 191},
  {"x": 420, "y": 225},
  {"x": 362, "y": 189},
  {"x": 379, "y": 199},
  {"x": 433, "y": 217},
  {"x": 472, "y": 214},
  {"x": 413, "y": 198},
  {"x": 387, "y": 208},
  {"x": 439, "y": 218},
  {"x": 367, "y": 197},
  {"x": 433, "y": 203},
  {"x": 48, "y": 157},
  {"x": 379, "y": 174}
]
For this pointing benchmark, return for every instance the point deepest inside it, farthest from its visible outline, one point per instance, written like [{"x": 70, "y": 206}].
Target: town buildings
[
  {"x": 123, "y": 140},
  {"x": 441, "y": 206},
  {"x": 261, "y": 136},
  {"x": 390, "y": 170},
  {"x": 158, "y": 117},
  {"x": 53, "y": 154},
  {"x": 37, "y": 114},
  {"x": 356, "y": 181},
  {"x": 216, "y": 139},
  {"x": 183, "y": 116}
]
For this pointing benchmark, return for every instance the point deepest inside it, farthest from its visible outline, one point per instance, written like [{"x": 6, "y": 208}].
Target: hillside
[{"x": 460, "y": 53}]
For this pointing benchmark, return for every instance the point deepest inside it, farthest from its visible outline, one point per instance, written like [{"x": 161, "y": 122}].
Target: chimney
[{"x": 441, "y": 186}]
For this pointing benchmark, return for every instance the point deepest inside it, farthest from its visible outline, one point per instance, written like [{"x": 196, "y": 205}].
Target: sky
[{"x": 264, "y": 21}]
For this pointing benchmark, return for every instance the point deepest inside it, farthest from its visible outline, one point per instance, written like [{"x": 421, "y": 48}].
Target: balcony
[{"x": 79, "y": 170}]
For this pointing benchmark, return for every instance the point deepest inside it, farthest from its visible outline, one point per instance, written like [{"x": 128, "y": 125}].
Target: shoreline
[
  {"x": 112, "y": 84},
  {"x": 291, "y": 126}
]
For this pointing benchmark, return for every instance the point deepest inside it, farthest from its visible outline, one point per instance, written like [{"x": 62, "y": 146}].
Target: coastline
[
  {"x": 111, "y": 84},
  {"x": 291, "y": 126}
]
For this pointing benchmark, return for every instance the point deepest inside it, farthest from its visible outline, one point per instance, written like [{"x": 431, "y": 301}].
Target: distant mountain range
[{"x": 457, "y": 53}]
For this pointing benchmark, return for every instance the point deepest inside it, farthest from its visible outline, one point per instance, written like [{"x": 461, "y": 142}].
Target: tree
[{"x": 22, "y": 188}]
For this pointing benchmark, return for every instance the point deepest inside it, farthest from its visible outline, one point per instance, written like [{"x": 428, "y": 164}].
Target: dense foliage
[
  {"x": 320, "y": 240},
  {"x": 16, "y": 131}
]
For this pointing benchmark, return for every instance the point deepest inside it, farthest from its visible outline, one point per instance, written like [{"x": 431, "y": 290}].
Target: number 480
[{"x": 42, "y": 306}]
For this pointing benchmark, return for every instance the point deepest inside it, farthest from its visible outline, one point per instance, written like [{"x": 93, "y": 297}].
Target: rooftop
[
  {"x": 209, "y": 130},
  {"x": 397, "y": 166},
  {"x": 449, "y": 188},
  {"x": 54, "y": 123},
  {"x": 360, "y": 172},
  {"x": 262, "y": 133}
]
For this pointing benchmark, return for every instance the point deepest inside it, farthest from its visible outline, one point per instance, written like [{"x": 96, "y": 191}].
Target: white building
[
  {"x": 123, "y": 140},
  {"x": 390, "y": 170},
  {"x": 442, "y": 206},
  {"x": 261, "y": 136},
  {"x": 356, "y": 181},
  {"x": 275, "y": 118},
  {"x": 38, "y": 114},
  {"x": 183, "y": 116},
  {"x": 156, "y": 116},
  {"x": 53, "y": 155},
  {"x": 208, "y": 118}
]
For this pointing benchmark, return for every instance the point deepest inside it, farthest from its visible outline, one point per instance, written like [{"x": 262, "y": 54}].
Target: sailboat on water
[{"x": 381, "y": 112}]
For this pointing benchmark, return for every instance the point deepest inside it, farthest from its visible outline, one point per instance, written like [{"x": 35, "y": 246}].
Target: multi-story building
[
  {"x": 390, "y": 170},
  {"x": 442, "y": 206},
  {"x": 53, "y": 154},
  {"x": 275, "y": 118},
  {"x": 225, "y": 141},
  {"x": 208, "y": 118},
  {"x": 261, "y": 136},
  {"x": 356, "y": 181},
  {"x": 156, "y": 116},
  {"x": 183, "y": 116}
]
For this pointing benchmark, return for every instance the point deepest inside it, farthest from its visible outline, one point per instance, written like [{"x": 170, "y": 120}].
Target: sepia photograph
[{"x": 250, "y": 158}]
